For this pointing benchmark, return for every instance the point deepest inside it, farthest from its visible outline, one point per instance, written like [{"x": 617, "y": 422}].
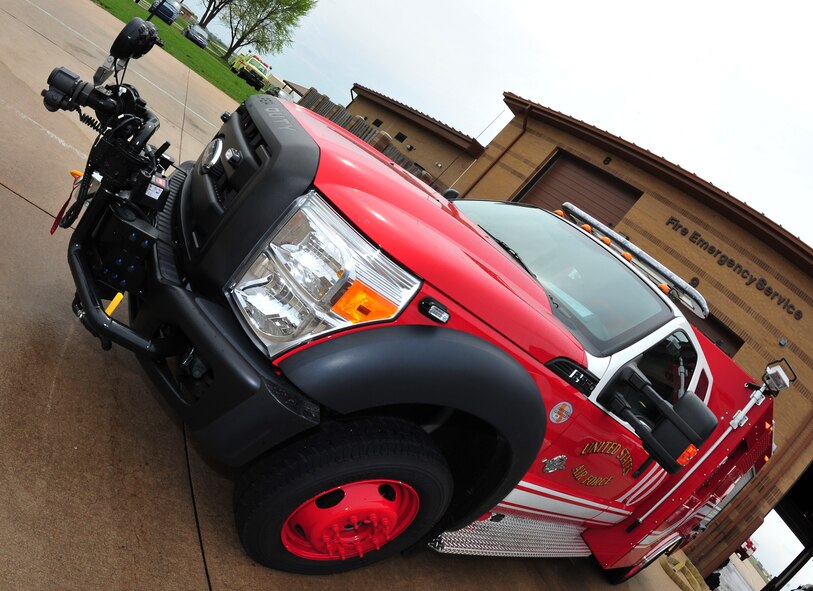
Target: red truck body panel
[
  {"x": 424, "y": 232},
  {"x": 493, "y": 298},
  {"x": 707, "y": 479}
]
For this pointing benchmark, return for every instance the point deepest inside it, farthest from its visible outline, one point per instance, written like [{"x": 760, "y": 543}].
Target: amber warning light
[
  {"x": 361, "y": 303},
  {"x": 687, "y": 455}
]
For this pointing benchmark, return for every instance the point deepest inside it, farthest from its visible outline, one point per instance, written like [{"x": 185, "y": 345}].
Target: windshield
[
  {"x": 200, "y": 31},
  {"x": 258, "y": 64},
  {"x": 604, "y": 303}
]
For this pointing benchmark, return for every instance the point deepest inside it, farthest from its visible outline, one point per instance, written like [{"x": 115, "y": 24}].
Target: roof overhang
[
  {"x": 470, "y": 145},
  {"x": 757, "y": 224},
  {"x": 297, "y": 88}
]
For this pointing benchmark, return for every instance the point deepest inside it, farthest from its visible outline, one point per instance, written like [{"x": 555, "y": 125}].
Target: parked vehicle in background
[
  {"x": 252, "y": 69},
  {"x": 747, "y": 549},
  {"x": 166, "y": 10},
  {"x": 197, "y": 34}
]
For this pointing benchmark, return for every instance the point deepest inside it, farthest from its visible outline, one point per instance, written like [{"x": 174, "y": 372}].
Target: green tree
[{"x": 265, "y": 24}]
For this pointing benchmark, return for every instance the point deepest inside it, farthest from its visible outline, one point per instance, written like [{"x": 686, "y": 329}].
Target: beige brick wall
[{"x": 506, "y": 163}]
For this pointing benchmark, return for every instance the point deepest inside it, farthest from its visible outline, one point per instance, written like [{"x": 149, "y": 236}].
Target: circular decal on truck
[{"x": 561, "y": 412}]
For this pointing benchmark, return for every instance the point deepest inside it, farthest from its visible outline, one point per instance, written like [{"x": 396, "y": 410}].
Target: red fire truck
[{"x": 388, "y": 367}]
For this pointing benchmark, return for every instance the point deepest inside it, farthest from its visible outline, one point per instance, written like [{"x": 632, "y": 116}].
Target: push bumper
[{"x": 234, "y": 401}]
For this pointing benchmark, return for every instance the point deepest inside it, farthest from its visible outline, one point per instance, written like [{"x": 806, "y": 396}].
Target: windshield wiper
[
  {"x": 553, "y": 301},
  {"x": 511, "y": 251}
]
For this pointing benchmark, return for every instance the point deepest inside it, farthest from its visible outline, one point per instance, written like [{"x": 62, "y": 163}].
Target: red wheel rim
[{"x": 350, "y": 520}]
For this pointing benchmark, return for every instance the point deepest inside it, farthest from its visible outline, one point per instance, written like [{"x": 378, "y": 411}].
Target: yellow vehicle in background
[{"x": 252, "y": 69}]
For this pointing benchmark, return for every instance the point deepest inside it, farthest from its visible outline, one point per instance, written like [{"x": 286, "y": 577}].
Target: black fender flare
[{"x": 430, "y": 365}]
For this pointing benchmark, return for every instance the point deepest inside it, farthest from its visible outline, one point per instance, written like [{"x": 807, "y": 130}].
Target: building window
[
  {"x": 377, "y": 122},
  {"x": 400, "y": 136}
]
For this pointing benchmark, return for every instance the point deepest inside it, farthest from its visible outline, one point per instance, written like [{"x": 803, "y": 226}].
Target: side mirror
[
  {"x": 135, "y": 39},
  {"x": 680, "y": 431},
  {"x": 680, "y": 449}
]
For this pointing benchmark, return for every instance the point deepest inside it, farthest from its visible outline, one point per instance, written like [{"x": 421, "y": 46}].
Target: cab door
[{"x": 594, "y": 467}]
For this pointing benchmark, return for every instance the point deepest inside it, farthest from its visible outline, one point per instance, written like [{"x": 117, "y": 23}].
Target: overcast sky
[
  {"x": 722, "y": 89},
  {"x": 776, "y": 547}
]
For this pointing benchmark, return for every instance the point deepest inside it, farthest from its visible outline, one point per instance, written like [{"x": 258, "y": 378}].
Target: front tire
[{"x": 350, "y": 495}]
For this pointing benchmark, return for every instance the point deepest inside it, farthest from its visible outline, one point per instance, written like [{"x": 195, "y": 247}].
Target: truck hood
[{"x": 433, "y": 239}]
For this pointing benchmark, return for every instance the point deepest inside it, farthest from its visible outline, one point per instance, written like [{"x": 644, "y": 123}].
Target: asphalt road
[{"x": 99, "y": 488}]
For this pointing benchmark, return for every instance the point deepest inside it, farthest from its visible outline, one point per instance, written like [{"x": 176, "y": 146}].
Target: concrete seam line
[
  {"x": 195, "y": 508},
  {"x": 183, "y": 117}
]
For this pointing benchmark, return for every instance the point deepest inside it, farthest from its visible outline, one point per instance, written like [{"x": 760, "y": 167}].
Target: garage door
[{"x": 568, "y": 178}]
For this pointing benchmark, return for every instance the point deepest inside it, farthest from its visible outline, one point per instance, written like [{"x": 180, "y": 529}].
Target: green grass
[{"x": 209, "y": 66}]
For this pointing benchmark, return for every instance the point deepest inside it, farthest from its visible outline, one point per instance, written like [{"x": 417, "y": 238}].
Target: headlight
[{"x": 315, "y": 275}]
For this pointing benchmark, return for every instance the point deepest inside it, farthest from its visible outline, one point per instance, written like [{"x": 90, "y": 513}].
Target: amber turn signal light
[
  {"x": 361, "y": 303},
  {"x": 687, "y": 455}
]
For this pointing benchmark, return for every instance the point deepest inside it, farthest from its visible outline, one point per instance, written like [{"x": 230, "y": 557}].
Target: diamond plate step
[{"x": 510, "y": 535}]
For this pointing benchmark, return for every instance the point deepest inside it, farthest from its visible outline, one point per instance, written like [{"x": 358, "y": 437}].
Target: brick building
[{"x": 443, "y": 152}]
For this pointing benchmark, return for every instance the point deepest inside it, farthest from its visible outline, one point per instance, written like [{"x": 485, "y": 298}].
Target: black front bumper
[
  {"x": 236, "y": 404},
  {"x": 241, "y": 406}
]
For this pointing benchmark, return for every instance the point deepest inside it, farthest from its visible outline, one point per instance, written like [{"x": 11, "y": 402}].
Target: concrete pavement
[{"x": 99, "y": 488}]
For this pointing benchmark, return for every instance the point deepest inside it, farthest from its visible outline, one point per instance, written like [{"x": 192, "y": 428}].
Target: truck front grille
[
  {"x": 250, "y": 131},
  {"x": 225, "y": 211}
]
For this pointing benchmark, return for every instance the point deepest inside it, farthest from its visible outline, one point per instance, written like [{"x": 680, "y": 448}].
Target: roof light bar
[{"x": 656, "y": 271}]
